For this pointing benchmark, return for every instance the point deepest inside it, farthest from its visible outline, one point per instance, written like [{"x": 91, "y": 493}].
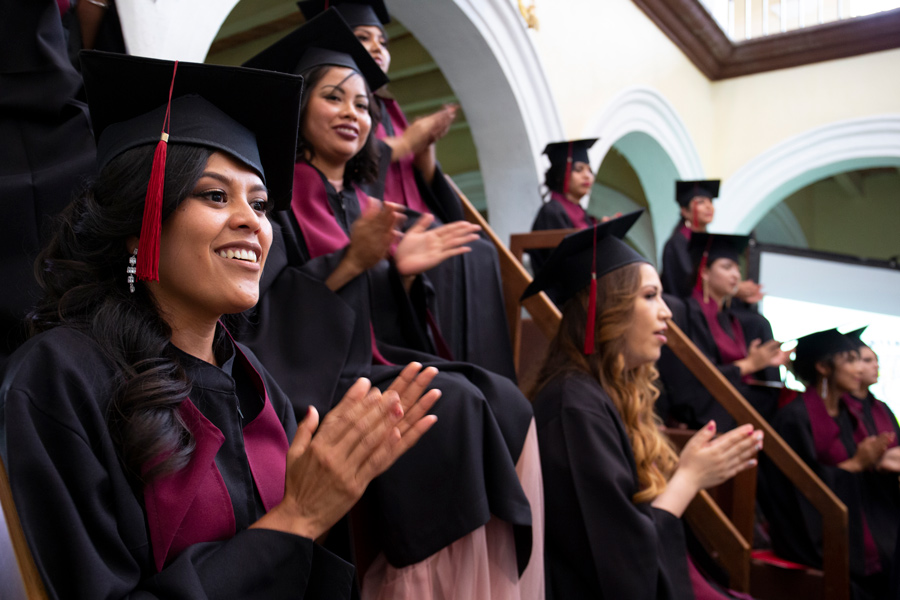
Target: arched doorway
[
  {"x": 765, "y": 181},
  {"x": 642, "y": 125}
]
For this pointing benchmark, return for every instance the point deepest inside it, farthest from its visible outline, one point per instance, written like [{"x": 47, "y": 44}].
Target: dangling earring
[
  {"x": 131, "y": 269},
  {"x": 705, "y": 291},
  {"x": 824, "y": 391}
]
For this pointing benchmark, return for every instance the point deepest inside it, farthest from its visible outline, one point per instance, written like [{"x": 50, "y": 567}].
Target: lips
[
  {"x": 250, "y": 253},
  {"x": 347, "y": 132}
]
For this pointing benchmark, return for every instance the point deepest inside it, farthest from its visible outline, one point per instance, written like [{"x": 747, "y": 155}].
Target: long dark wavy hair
[
  {"x": 633, "y": 392},
  {"x": 363, "y": 167},
  {"x": 82, "y": 274},
  {"x": 554, "y": 179}
]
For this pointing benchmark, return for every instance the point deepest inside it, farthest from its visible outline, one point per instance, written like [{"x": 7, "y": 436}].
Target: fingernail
[
  {"x": 759, "y": 435},
  {"x": 759, "y": 446},
  {"x": 711, "y": 426},
  {"x": 752, "y": 462}
]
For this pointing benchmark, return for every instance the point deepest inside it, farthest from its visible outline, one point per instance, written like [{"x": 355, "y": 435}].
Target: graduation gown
[
  {"x": 46, "y": 150},
  {"x": 186, "y": 534},
  {"x": 872, "y": 497},
  {"x": 677, "y": 267},
  {"x": 687, "y": 400},
  {"x": 557, "y": 213},
  {"x": 317, "y": 343},
  {"x": 464, "y": 293},
  {"x": 600, "y": 544}
]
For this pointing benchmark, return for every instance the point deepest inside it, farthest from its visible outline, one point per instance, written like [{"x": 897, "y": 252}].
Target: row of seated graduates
[
  {"x": 714, "y": 307},
  {"x": 382, "y": 316},
  {"x": 850, "y": 446}
]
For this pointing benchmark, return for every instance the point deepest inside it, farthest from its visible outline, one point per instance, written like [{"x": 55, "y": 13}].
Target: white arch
[
  {"x": 769, "y": 178},
  {"x": 484, "y": 50},
  {"x": 647, "y": 130}
]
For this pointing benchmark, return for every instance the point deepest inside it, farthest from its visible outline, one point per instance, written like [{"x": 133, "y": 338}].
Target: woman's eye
[
  {"x": 362, "y": 106},
  {"x": 213, "y": 195},
  {"x": 260, "y": 205}
]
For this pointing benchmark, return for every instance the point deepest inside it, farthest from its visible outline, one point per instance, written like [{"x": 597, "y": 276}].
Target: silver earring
[
  {"x": 824, "y": 390},
  {"x": 131, "y": 270}
]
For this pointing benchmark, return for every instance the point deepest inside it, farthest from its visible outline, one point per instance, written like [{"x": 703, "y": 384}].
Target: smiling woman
[{"x": 159, "y": 458}]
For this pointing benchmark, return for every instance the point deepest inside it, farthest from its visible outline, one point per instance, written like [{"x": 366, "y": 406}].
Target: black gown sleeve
[
  {"x": 550, "y": 216},
  {"x": 677, "y": 269},
  {"x": 84, "y": 523},
  {"x": 795, "y": 526},
  {"x": 599, "y": 542}
]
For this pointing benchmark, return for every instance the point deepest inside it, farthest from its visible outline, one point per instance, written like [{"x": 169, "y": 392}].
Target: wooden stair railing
[
  {"x": 729, "y": 536},
  {"x": 19, "y": 578}
]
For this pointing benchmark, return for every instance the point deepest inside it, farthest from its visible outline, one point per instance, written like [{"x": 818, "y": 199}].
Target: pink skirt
[{"x": 479, "y": 565}]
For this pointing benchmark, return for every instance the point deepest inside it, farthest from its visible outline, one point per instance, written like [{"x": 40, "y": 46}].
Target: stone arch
[
  {"x": 484, "y": 50},
  {"x": 761, "y": 184},
  {"x": 647, "y": 130}
]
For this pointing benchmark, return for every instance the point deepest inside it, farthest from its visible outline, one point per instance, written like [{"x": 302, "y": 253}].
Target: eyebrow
[{"x": 256, "y": 187}]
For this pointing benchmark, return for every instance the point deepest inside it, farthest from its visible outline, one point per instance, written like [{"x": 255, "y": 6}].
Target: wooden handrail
[
  {"x": 25, "y": 582},
  {"x": 835, "y": 550},
  {"x": 721, "y": 539}
]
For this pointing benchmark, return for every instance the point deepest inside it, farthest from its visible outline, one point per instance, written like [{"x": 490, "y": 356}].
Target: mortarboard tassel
[
  {"x": 703, "y": 260},
  {"x": 151, "y": 226},
  {"x": 568, "y": 171},
  {"x": 592, "y": 303}
]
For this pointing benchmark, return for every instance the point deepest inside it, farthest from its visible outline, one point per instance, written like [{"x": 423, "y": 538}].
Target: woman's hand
[
  {"x": 760, "y": 356},
  {"x": 421, "y": 248},
  {"x": 422, "y": 133},
  {"x": 749, "y": 291},
  {"x": 328, "y": 470},
  {"x": 370, "y": 239},
  {"x": 707, "y": 461},
  {"x": 890, "y": 460},
  {"x": 868, "y": 453}
]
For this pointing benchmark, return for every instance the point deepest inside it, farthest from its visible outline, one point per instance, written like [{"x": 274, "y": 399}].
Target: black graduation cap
[
  {"x": 816, "y": 347},
  {"x": 716, "y": 245},
  {"x": 324, "y": 40},
  {"x": 855, "y": 336},
  {"x": 357, "y": 13},
  {"x": 251, "y": 115},
  {"x": 685, "y": 191},
  {"x": 560, "y": 152},
  {"x": 568, "y": 269}
]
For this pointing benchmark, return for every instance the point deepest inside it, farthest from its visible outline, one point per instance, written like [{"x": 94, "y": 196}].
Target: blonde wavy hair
[{"x": 633, "y": 392}]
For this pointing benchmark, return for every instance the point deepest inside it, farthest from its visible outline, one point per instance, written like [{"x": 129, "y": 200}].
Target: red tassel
[
  {"x": 591, "y": 317},
  {"x": 698, "y": 285},
  {"x": 151, "y": 226},
  {"x": 568, "y": 171}
]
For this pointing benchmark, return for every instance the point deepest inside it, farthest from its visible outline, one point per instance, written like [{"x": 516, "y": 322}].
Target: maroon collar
[
  {"x": 192, "y": 505},
  {"x": 579, "y": 217}
]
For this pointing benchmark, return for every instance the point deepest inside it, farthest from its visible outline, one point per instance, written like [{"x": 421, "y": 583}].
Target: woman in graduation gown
[
  {"x": 853, "y": 448},
  {"x": 739, "y": 343},
  {"x": 465, "y": 293},
  {"x": 431, "y": 530},
  {"x": 614, "y": 488},
  {"x": 695, "y": 202},
  {"x": 568, "y": 180},
  {"x": 154, "y": 457}
]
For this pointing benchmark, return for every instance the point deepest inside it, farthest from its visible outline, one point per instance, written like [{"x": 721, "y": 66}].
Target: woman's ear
[
  {"x": 685, "y": 213},
  {"x": 823, "y": 369},
  {"x": 131, "y": 243}
]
